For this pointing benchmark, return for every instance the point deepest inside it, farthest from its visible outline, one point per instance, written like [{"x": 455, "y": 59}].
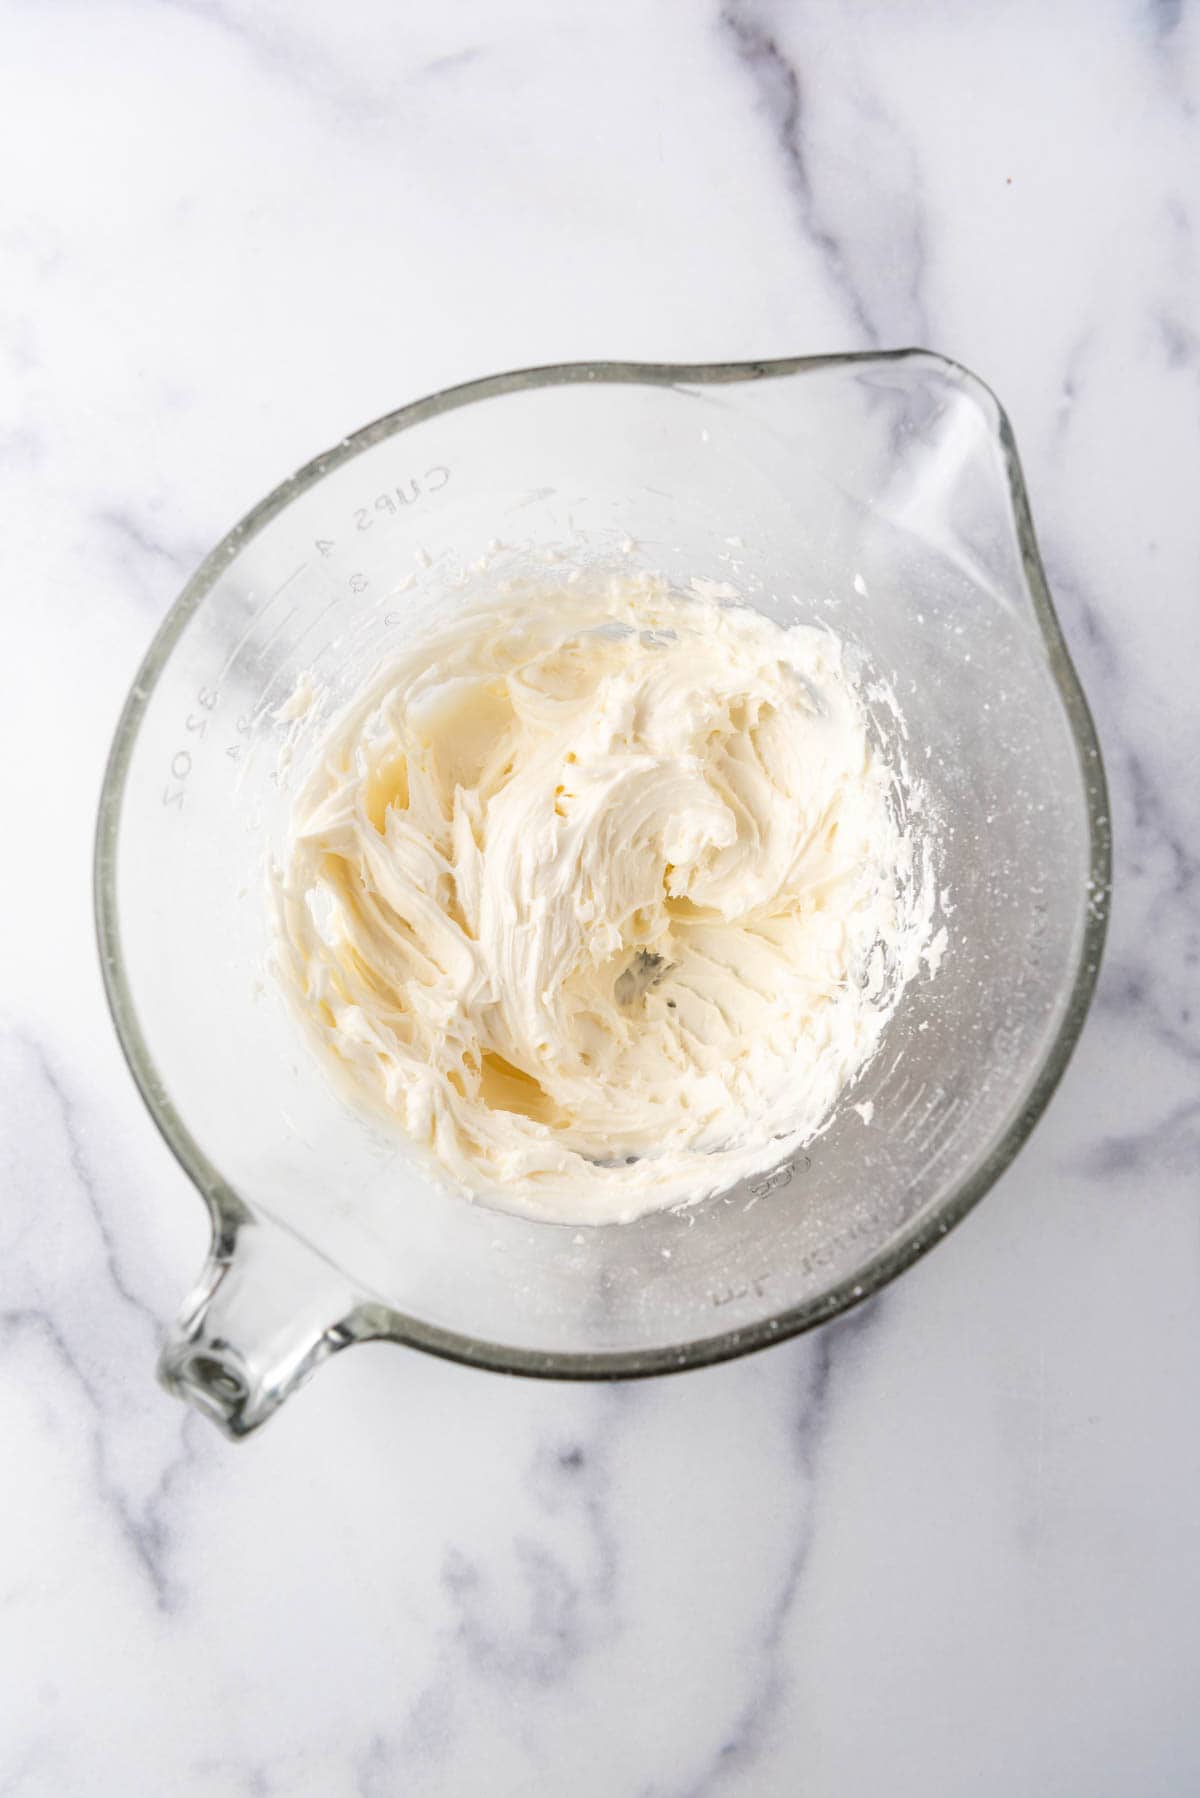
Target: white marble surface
[{"x": 949, "y": 1547}]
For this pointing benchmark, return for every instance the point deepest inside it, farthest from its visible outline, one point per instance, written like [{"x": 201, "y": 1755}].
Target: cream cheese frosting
[{"x": 602, "y": 896}]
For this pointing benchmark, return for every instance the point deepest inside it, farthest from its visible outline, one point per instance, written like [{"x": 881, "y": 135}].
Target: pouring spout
[{"x": 266, "y": 1311}]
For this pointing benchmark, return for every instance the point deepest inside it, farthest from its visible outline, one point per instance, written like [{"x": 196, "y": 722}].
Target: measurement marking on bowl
[
  {"x": 912, "y": 1103},
  {"x": 947, "y": 1142},
  {"x": 182, "y": 762},
  {"x": 782, "y": 1176},
  {"x": 725, "y": 1295},
  {"x": 274, "y": 634},
  {"x": 944, "y": 1109},
  {"x": 386, "y": 505},
  {"x": 933, "y": 1118},
  {"x": 939, "y": 1125},
  {"x": 257, "y": 619},
  {"x": 823, "y": 1254},
  {"x": 260, "y": 705}
]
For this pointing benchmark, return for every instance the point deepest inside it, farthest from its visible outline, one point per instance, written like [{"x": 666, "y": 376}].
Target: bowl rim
[{"x": 377, "y": 1321}]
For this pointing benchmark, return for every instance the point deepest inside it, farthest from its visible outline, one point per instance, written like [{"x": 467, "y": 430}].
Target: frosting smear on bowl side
[{"x": 603, "y": 897}]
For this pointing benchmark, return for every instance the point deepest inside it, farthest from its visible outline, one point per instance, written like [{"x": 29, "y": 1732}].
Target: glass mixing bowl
[{"x": 881, "y": 493}]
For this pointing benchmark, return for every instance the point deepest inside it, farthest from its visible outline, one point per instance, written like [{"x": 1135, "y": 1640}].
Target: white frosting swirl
[{"x": 602, "y": 896}]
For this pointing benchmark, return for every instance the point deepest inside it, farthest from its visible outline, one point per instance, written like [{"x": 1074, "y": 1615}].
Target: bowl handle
[{"x": 265, "y": 1313}]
